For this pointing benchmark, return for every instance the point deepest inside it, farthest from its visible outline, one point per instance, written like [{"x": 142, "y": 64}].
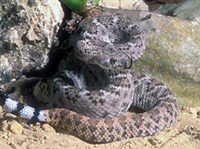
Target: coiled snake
[{"x": 93, "y": 89}]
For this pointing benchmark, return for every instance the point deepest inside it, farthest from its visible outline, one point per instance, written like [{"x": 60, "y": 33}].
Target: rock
[
  {"x": 163, "y": 1},
  {"x": 187, "y": 9},
  {"x": 47, "y": 128},
  {"x": 5, "y": 68},
  {"x": 15, "y": 127},
  {"x": 198, "y": 114},
  {"x": 4, "y": 125},
  {"x": 26, "y": 34},
  {"x": 193, "y": 111},
  {"x": 1, "y": 110},
  {"x": 152, "y": 141},
  {"x": 127, "y": 4}
]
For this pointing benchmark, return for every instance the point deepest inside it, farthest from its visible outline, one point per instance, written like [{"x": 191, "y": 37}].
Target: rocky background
[{"x": 28, "y": 30}]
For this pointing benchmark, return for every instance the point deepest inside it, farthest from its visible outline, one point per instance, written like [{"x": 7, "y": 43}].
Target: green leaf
[
  {"x": 75, "y": 5},
  {"x": 78, "y": 5},
  {"x": 96, "y": 1}
]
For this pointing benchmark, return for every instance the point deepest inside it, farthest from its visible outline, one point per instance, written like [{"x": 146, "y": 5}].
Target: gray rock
[
  {"x": 124, "y": 4},
  {"x": 26, "y": 34},
  {"x": 187, "y": 9}
]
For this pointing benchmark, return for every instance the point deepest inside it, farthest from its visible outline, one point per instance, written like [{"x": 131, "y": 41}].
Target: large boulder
[
  {"x": 185, "y": 9},
  {"x": 27, "y": 30}
]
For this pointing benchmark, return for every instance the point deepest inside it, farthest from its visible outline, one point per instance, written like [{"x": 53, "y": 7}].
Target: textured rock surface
[
  {"x": 26, "y": 33},
  {"x": 124, "y": 4},
  {"x": 163, "y": 1},
  {"x": 187, "y": 9},
  {"x": 184, "y": 9},
  {"x": 15, "y": 127}
]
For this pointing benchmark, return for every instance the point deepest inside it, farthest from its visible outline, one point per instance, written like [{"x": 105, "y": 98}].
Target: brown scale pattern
[
  {"x": 150, "y": 94},
  {"x": 116, "y": 128}
]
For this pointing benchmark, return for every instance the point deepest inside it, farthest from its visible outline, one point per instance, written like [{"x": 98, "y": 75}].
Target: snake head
[{"x": 102, "y": 54}]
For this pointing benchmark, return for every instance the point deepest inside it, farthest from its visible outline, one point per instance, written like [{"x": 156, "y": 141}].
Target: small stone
[
  {"x": 5, "y": 136},
  {"x": 1, "y": 110},
  {"x": 4, "y": 125},
  {"x": 38, "y": 124},
  {"x": 39, "y": 135},
  {"x": 10, "y": 115},
  {"x": 48, "y": 128},
  {"x": 185, "y": 109},
  {"x": 193, "y": 111},
  {"x": 32, "y": 3},
  {"x": 152, "y": 141},
  {"x": 198, "y": 113},
  {"x": 31, "y": 125},
  {"x": 16, "y": 127}
]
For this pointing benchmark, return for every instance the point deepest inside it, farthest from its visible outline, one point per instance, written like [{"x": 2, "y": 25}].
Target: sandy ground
[{"x": 18, "y": 134}]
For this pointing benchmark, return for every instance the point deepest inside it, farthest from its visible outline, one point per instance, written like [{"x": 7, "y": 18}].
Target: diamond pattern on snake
[{"x": 93, "y": 88}]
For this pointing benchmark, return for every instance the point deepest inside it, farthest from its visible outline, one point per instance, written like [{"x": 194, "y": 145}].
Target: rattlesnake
[{"x": 93, "y": 82}]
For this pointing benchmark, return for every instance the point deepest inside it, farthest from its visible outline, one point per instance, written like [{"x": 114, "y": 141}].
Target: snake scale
[{"x": 93, "y": 89}]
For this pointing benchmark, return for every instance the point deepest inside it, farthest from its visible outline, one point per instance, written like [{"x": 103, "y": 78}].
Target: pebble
[
  {"x": 198, "y": 113},
  {"x": 48, "y": 128},
  {"x": 4, "y": 125},
  {"x": 1, "y": 110},
  {"x": 15, "y": 127},
  {"x": 193, "y": 111},
  {"x": 153, "y": 141}
]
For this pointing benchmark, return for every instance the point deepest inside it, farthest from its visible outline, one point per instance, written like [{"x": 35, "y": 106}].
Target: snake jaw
[{"x": 114, "y": 64}]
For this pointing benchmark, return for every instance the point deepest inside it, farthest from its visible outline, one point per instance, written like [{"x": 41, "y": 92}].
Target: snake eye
[{"x": 112, "y": 61}]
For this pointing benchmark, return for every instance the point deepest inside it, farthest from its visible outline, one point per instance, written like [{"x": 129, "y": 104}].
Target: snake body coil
[{"x": 92, "y": 90}]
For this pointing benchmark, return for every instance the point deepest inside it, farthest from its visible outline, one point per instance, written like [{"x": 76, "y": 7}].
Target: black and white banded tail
[{"x": 20, "y": 109}]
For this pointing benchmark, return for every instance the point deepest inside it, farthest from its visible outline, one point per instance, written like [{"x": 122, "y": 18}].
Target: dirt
[{"x": 19, "y": 134}]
